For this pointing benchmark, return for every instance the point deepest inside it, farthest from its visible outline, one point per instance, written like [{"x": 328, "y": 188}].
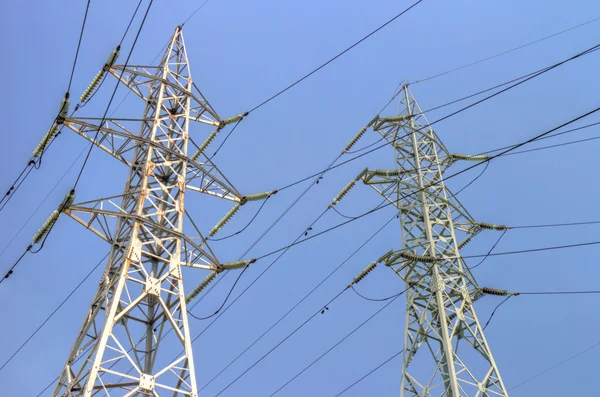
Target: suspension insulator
[
  {"x": 50, "y": 135},
  {"x": 98, "y": 78},
  {"x": 494, "y": 291},
  {"x": 419, "y": 258},
  {"x": 467, "y": 157},
  {"x": 389, "y": 172},
  {"x": 364, "y": 273},
  {"x": 233, "y": 119},
  {"x": 225, "y": 219},
  {"x": 200, "y": 287},
  {"x": 355, "y": 139},
  {"x": 464, "y": 242},
  {"x": 257, "y": 197},
  {"x": 237, "y": 264},
  {"x": 392, "y": 119},
  {"x": 489, "y": 226},
  {"x": 344, "y": 191},
  {"x": 47, "y": 226},
  {"x": 64, "y": 107},
  {"x": 204, "y": 145}
]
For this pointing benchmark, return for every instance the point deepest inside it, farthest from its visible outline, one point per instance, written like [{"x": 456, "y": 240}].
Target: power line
[
  {"x": 299, "y": 302},
  {"x": 224, "y": 301},
  {"x": 283, "y": 340},
  {"x": 506, "y": 52},
  {"x": 335, "y": 345},
  {"x": 113, "y": 94},
  {"x": 369, "y": 373},
  {"x": 87, "y": 7},
  {"x": 531, "y": 76},
  {"x": 53, "y": 313},
  {"x": 326, "y": 306},
  {"x": 554, "y": 247},
  {"x": 555, "y": 366},
  {"x": 490, "y": 251},
  {"x": 28, "y": 249},
  {"x": 335, "y": 57},
  {"x": 445, "y": 179}
]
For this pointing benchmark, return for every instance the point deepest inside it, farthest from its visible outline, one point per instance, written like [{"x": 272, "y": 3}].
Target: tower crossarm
[
  {"x": 102, "y": 222},
  {"x": 139, "y": 78},
  {"x": 117, "y": 139}
]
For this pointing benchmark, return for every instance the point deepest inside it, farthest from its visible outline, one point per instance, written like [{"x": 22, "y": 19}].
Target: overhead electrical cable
[
  {"x": 53, "y": 313},
  {"x": 113, "y": 93},
  {"x": 369, "y": 373},
  {"x": 28, "y": 249},
  {"x": 299, "y": 302},
  {"x": 326, "y": 306},
  {"x": 31, "y": 164},
  {"x": 507, "y": 51},
  {"x": 434, "y": 183},
  {"x": 534, "y": 75}
]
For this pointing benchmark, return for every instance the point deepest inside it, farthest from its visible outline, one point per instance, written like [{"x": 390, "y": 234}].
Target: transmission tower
[
  {"x": 445, "y": 350},
  {"x": 140, "y": 298}
]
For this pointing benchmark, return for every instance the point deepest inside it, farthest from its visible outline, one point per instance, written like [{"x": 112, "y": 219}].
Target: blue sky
[{"x": 240, "y": 54}]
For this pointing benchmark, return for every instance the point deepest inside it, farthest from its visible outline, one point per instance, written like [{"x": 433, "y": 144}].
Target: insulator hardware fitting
[
  {"x": 225, "y": 219},
  {"x": 98, "y": 77},
  {"x": 489, "y": 226},
  {"x": 204, "y": 145},
  {"x": 355, "y": 139},
  {"x": 419, "y": 258},
  {"x": 364, "y": 273},
  {"x": 478, "y": 157},
  {"x": 49, "y": 223},
  {"x": 200, "y": 287}
]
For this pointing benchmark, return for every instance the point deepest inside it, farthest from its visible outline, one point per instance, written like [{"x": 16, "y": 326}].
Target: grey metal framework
[
  {"x": 445, "y": 350},
  {"x": 140, "y": 298}
]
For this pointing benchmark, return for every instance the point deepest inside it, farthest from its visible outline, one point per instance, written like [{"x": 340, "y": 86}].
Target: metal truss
[
  {"x": 140, "y": 297},
  {"x": 454, "y": 357}
]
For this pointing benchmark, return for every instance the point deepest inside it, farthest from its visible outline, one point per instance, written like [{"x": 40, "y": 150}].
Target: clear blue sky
[{"x": 240, "y": 54}]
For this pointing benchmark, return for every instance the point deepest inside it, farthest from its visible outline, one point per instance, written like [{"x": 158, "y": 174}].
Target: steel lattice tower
[
  {"x": 454, "y": 357},
  {"x": 141, "y": 298}
]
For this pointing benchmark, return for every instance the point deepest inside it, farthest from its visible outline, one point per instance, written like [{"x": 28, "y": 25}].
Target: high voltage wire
[
  {"x": 369, "y": 373},
  {"x": 395, "y": 216},
  {"x": 53, "y": 313},
  {"x": 445, "y": 179},
  {"x": 301, "y": 300},
  {"x": 113, "y": 94},
  {"x": 284, "y": 249},
  {"x": 531, "y": 76},
  {"x": 28, "y": 249},
  {"x": 506, "y": 52},
  {"x": 261, "y": 104},
  {"x": 32, "y": 163},
  {"x": 381, "y": 309},
  {"x": 326, "y": 306},
  {"x": 512, "y": 388},
  {"x": 336, "y": 56}
]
